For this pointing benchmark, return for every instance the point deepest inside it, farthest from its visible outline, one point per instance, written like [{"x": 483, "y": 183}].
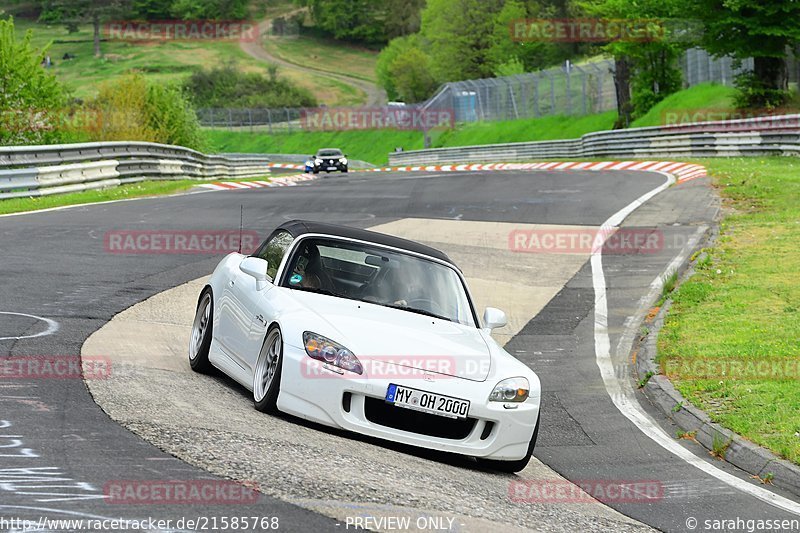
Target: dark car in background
[{"x": 329, "y": 160}]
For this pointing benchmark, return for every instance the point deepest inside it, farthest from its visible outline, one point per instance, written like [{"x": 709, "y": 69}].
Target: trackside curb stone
[{"x": 740, "y": 452}]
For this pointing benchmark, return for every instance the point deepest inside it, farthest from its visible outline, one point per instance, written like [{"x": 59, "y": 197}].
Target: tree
[
  {"x": 761, "y": 30},
  {"x": 209, "y": 9},
  {"x": 646, "y": 65},
  {"x": 411, "y": 74},
  {"x": 29, "y": 95},
  {"x": 403, "y": 17},
  {"x": 383, "y": 67},
  {"x": 72, "y": 13},
  {"x": 459, "y": 33},
  {"x": 353, "y": 20}
]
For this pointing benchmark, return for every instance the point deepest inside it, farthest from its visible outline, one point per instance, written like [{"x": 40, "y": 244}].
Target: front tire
[
  {"x": 512, "y": 467},
  {"x": 267, "y": 376},
  {"x": 200, "y": 341}
]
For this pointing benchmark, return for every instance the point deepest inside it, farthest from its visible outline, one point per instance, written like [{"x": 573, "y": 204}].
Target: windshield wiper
[
  {"x": 319, "y": 291},
  {"x": 418, "y": 311}
]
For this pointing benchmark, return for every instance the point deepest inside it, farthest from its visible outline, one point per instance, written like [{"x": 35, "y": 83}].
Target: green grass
[
  {"x": 743, "y": 304},
  {"x": 133, "y": 190},
  {"x": 374, "y": 145},
  {"x": 707, "y": 101},
  {"x": 367, "y": 145},
  {"x": 536, "y": 129},
  {"x": 325, "y": 55},
  {"x": 162, "y": 61}
]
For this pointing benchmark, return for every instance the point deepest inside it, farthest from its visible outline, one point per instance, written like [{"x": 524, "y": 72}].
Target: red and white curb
[
  {"x": 284, "y": 181},
  {"x": 683, "y": 172}
]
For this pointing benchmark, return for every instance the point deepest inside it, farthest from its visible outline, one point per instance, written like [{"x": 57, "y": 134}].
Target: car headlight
[
  {"x": 343, "y": 160},
  {"x": 318, "y": 161},
  {"x": 323, "y": 349},
  {"x": 511, "y": 390}
]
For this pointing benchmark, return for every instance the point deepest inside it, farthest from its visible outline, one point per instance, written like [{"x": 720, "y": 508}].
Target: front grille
[{"x": 385, "y": 414}]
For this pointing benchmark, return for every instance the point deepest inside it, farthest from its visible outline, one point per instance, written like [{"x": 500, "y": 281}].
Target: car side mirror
[
  {"x": 494, "y": 318},
  {"x": 256, "y": 267}
]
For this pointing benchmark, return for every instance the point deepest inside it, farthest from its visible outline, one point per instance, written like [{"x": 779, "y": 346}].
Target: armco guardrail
[
  {"x": 54, "y": 169},
  {"x": 776, "y": 135}
]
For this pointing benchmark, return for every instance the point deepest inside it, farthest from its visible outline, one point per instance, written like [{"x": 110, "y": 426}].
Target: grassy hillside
[
  {"x": 325, "y": 55},
  {"x": 704, "y": 101},
  {"x": 168, "y": 61},
  {"x": 367, "y": 145},
  {"x": 374, "y": 146},
  {"x": 699, "y": 102}
]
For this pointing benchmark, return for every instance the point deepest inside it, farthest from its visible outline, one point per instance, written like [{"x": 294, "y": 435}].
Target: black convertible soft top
[{"x": 301, "y": 227}]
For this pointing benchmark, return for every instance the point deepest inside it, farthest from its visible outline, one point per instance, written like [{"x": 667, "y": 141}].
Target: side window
[{"x": 273, "y": 251}]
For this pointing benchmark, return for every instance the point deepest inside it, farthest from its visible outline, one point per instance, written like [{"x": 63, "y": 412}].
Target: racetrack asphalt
[{"x": 56, "y": 266}]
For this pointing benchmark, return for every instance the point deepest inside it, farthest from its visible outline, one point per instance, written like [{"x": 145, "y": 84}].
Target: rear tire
[
  {"x": 200, "y": 341},
  {"x": 512, "y": 467},
  {"x": 267, "y": 375}
]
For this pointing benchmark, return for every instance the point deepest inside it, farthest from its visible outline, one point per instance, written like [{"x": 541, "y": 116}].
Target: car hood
[{"x": 386, "y": 339}]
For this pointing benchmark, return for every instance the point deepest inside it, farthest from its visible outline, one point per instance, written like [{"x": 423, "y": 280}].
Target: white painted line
[
  {"x": 620, "y": 390},
  {"x": 52, "y": 326}
]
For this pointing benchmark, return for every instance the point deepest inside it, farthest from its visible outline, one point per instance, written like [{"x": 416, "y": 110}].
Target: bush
[
  {"x": 228, "y": 87},
  {"x": 755, "y": 93},
  {"x": 31, "y": 99},
  {"x": 131, "y": 109}
]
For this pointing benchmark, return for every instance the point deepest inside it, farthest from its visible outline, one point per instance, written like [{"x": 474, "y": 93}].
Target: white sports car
[{"x": 370, "y": 333}]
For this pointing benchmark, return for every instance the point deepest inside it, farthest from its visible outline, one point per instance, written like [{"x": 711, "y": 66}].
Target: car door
[{"x": 257, "y": 305}]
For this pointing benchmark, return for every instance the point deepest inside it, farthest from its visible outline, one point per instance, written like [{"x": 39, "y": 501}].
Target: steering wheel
[{"x": 432, "y": 306}]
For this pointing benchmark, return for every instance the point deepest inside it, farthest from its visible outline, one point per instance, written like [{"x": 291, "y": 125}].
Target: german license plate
[
  {"x": 331, "y": 168},
  {"x": 427, "y": 402}
]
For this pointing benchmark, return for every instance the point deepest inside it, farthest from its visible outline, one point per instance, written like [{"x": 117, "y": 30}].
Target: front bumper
[
  {"x": 330, "y": 166},
  {"x": 356, "y": 403}
]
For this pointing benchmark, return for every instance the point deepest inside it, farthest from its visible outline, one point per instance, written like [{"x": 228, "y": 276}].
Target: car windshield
[
  {"x": 329, "y": 153},
  {"x": 374, "y": 274}
]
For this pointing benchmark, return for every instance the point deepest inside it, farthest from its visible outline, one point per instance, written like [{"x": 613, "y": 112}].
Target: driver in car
[{"x": 308, "y": 271}]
